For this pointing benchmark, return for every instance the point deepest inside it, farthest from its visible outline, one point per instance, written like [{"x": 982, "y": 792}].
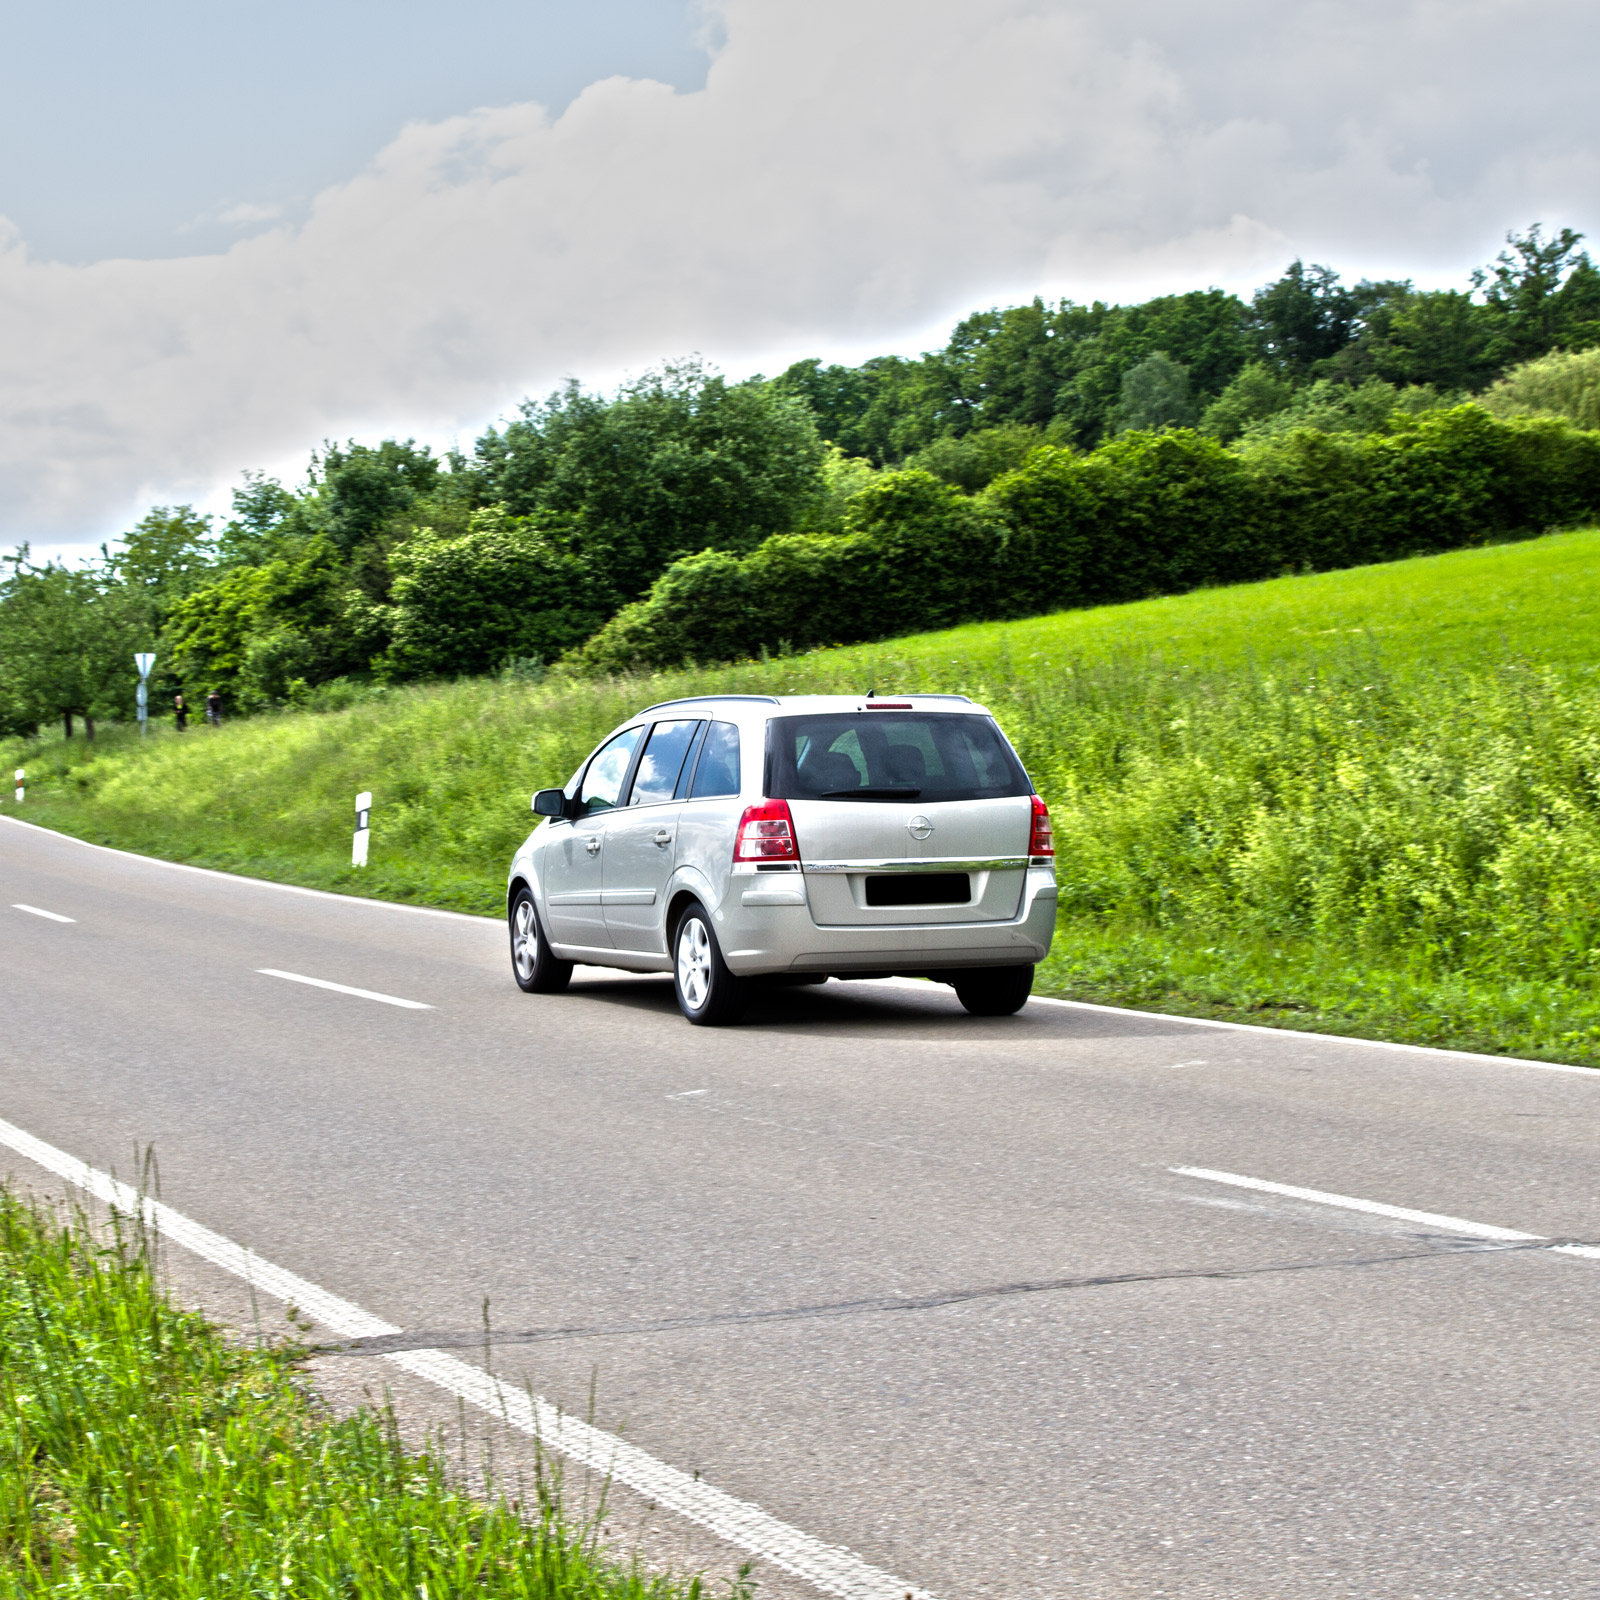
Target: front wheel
[
  {"x": 708, "y": 993},
  {"x": 535, "y": 966},
  {"x": 994, "y": 991}
]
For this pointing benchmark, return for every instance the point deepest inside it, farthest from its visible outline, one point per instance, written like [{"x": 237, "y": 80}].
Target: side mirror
[{"x": 550, "y": 803}]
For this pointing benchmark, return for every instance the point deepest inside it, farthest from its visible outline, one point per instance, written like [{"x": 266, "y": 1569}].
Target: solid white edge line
[
  {"x": 830, "y": 1568},
  {"x": 1038, "y": 999},
  {"x": 1323, "y": 1197},
  {"x": 345, "y": 988},
  {"x": 244, "y": 877},
  {"x": 1283, "y": 1033},
  {"x": 39, "y": 911}
]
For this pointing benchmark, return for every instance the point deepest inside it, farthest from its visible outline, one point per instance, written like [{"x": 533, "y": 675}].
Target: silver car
[{"x": 741, "y": 840}]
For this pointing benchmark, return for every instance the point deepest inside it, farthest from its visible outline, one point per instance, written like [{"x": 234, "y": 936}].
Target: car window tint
[
  {"x": 887, "y": 755},
  {"x": 603, "y": 781},
  {"x": 718, "y": 771},
  {"x": 661, "y": 762},
  {"x": 682, "y": 790}
]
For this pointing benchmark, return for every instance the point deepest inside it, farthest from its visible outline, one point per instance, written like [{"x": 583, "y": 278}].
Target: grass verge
[
  {"x": 1365, "y": 801},
  {"x": 142, "y": 1453}
]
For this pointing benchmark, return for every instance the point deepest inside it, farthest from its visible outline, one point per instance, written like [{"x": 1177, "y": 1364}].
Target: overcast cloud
[{"x": 851, "y": 177}]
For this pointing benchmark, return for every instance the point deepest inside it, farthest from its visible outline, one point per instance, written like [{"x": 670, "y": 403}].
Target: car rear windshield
[{"x": 892, "y": 755}]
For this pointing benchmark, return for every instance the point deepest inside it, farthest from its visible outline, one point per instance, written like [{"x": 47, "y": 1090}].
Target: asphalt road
[{"x": 1271, "y": 1397}]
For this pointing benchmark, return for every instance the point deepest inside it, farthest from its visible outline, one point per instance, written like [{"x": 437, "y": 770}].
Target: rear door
[
  {"x": 641, "y": 840},
  {"x": 939, "y": 833},
  {"x": 574, "y": 863}
]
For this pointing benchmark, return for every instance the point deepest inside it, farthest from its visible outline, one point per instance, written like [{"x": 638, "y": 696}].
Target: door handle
[
  {"x": 592, "y": 844},
  {"x": 663, "y": 837}
]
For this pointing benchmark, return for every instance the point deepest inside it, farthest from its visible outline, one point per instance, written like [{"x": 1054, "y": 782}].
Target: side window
[
  {"x": 661, "y": 762},
  {"x": 718, "y": 771},
  {"x": 603, "y": 781},
  {"x": 690, "y": 762}
]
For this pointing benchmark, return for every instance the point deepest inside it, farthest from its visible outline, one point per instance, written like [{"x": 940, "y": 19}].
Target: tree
[
  {"x": 1306, "y": 317},
  {"x": 1155, "y": 394},
  {"x": 680, "y": 461},
  {"x": 168, "y": 554},
  {"x": 1544, "y": 294},
  {"x": 1255, "y": 394},
  {"x": 1564, "y": 383},
  {"x": 67, "y": 641}
]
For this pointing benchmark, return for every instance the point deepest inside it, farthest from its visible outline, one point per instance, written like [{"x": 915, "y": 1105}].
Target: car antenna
[{"x": 871, "y": 693}]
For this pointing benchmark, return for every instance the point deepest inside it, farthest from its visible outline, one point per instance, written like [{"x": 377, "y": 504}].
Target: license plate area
[{"x": 919, "y": 889}]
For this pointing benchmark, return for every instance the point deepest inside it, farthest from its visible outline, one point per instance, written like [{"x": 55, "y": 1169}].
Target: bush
[
  {"x": 1563, "y": 384},
  {"x": 1146, "y": 514},
  {"x": 503, "y": 590}
]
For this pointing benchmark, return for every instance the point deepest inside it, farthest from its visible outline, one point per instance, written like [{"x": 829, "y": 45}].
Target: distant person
[
  {"x": 214, "y": 709},
  {"x": 180, "y": 712}
]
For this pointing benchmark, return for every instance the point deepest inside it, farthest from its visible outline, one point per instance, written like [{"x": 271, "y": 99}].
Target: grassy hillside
[{"x": 1366, "y": 801}]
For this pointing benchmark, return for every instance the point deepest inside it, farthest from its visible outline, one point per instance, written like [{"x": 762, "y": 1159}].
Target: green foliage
[
  {"x": 1147, "y": 513},
  {"x": 142, "y": 1454},
  {"x": 1563, "y": 384},
  {"x": 67, "y": 641},
  {"x": 168, "y": 554},
  {"x": 503, "y": 590},
  {"x": 1544, "y": 294},
  {"x": 1256, "y": 394},
  {"x": 1155, "y": 394},
  {"x": 679, "y": 461},
  {"x": 972, "y": 461}
]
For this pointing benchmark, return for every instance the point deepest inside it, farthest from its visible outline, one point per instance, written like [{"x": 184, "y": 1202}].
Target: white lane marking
[
  {"x": 1038, "y": 999},
  {"x": 687, "y": 1094},
  {"x": 1429, "y": 1219},
  {"x": 54, "y": 916},
  {"x": 345, "y": 988},
  {"x": 1176, "y": 1064},
  {"x": 830, "y": 1568}
]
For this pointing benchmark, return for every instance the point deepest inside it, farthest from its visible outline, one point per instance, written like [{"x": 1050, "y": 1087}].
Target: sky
[{"x": 230, "y": 230}]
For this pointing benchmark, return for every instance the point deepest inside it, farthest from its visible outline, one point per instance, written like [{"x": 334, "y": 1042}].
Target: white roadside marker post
[
  {"x": 21, "y": 775},
  {"x": 144, "y": 660},
  {"x": 358, "y": 845}
]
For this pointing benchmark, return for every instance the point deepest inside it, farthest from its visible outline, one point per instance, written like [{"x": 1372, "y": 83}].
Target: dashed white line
[
  {"x": 39, "y": 911},
  {"x": 829, "y": 1568},
  {"x": 345, "y": 988},
  {"x": 1377, "y": 1208}
]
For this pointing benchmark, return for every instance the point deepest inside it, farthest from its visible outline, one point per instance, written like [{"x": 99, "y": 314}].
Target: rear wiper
[{"x": 870, "y": 794}]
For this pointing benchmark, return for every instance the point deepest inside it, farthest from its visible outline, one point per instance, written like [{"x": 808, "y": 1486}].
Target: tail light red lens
[
  {"x": 1041, "y": 841},
  {"x": 766, "y": 833}
]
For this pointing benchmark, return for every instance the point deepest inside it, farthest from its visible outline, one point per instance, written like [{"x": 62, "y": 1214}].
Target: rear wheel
[
  {"x": 994, "y": 991},
  {"x": 535, "y": 966},
  {"x": 708, "y": 993}
]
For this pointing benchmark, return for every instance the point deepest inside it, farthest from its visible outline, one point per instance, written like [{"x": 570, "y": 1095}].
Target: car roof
[{"x": 802, "y": 704}]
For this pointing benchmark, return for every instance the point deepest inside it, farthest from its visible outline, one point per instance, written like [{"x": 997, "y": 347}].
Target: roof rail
[
  {"x": 917, "y": 694},
  {"x": 702, "y": 699}
]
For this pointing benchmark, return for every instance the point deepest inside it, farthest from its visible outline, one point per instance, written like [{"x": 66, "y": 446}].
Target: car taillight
[
  {"x": 1041, "y": 841},
  {"x": 766, "y": 833}
]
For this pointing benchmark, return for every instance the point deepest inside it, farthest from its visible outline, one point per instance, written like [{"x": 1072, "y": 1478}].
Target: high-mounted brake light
[
  {"x": 888, "y": 705},
  {"x": 766, "y": 833},
  {"x": 1041, "y": 840}
]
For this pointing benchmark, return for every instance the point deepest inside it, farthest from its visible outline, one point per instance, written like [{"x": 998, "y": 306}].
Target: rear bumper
[{"x": 769, "y": 938}]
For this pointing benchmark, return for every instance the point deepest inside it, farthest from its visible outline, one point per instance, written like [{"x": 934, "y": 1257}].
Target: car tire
[
  {"x": 994, "y": 991},
  {"x": 535, "y": 966},
  {"x": 709, "y": 995}
]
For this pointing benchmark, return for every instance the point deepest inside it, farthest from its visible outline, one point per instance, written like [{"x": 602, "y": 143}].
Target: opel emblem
[{"x": 919, "y": 827}]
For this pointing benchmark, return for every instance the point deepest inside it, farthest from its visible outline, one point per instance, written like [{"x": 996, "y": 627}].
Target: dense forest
[{"x": 1047, "y": 455}]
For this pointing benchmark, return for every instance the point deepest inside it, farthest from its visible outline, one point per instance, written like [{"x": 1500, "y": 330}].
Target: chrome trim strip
[{"x": 928, "y": 864}]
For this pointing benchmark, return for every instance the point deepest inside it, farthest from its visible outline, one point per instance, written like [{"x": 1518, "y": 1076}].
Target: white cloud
[{"x": 852, "y": 175}]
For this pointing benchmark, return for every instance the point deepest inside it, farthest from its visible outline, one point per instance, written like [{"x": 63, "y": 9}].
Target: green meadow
[{"x": 1364, "y": 801}]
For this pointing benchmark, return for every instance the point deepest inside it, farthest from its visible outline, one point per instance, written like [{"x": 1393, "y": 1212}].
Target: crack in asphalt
[{"x": 479, "y": 1338}]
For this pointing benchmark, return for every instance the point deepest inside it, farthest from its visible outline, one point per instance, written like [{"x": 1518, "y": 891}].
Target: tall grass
[
  {"x": 143, "y": 1455},
  {"x": 1365, "y": 800}
]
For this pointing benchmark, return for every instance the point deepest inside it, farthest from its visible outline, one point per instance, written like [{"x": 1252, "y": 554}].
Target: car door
[
  {"x": 641, "y": 839},
  {"x": 574, "y": 864}
]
